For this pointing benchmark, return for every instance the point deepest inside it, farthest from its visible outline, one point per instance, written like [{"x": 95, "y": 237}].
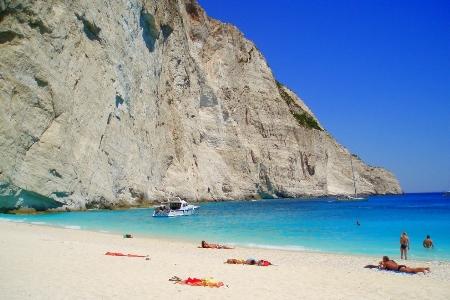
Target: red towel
[
  {"x": 201, "y": 282},
  {"x": 264, "y": 263},
  {"x": 193, "y": 281}
]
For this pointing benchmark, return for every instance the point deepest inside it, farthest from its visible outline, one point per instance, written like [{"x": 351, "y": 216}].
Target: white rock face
[{"x": 106, "y": 102}]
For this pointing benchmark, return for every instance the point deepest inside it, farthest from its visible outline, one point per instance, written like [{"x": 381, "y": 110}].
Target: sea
[{"x": 319, "y": 225}]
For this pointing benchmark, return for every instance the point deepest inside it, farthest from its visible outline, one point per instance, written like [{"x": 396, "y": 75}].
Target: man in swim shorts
[
  {"x": 404, "y": 245},
  {"x": 388, "y": 264}
]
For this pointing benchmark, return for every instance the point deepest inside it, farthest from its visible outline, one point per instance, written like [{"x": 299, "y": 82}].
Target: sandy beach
[{"x": 40, "y": 262}]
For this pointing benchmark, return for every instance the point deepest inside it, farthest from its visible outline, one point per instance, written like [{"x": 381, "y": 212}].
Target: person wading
[
  {"x": 428, "y": 242},
  {"x": 404, "y": 245}
]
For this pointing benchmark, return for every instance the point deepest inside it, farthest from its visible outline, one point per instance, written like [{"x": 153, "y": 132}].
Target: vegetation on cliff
[{"x": 303, "y": 118}]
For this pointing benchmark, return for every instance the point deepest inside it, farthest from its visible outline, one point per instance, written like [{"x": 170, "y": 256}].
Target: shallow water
[{"x": 317, "y": 225}]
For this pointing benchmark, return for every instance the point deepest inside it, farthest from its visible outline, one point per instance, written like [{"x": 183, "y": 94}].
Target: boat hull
[{"x": 175, "y": 213}]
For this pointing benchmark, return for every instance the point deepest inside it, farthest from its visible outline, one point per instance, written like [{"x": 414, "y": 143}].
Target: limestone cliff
[{"x": 107, "y": 102}]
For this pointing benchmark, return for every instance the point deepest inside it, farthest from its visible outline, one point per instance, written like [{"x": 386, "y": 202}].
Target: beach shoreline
[
  {"x": 190, "y": 241},
  {"x": 42, "y": 262}
]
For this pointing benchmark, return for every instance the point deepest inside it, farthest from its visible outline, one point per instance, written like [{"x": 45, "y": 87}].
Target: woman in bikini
[{"x": 404, "y": 245}]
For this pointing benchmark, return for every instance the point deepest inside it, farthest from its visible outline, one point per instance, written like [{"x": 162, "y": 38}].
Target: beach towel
[
  {"x": 121, "y": 254},
  {"x": 210, "y": 282},
  {"x": 264, "y": 263}
]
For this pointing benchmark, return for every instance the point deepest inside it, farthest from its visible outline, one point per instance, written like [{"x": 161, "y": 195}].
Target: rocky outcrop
[{"x": 106, "y": 102}]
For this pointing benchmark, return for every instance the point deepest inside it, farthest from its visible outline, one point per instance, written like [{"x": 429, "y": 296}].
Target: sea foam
[
  {"x": 72, "y": 227},
  {"x": 38, "y": 223},
  {"x": 276, "y": 247}
]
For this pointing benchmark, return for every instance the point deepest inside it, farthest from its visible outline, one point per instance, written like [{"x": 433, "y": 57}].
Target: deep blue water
[{"x": 318, "y": 225}]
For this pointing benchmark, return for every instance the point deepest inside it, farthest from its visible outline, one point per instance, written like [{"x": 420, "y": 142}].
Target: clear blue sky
[{"x": 376, "y": 74}]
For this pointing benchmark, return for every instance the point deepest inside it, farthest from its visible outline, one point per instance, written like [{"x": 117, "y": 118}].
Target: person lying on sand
[
  {"x": 122, "y": 254},
  {"x": 235, "y": 261},
  {"x": 388, "y": 264},
  {"x": 214, "y": 246},
  {"x": 250, "y": 261}
]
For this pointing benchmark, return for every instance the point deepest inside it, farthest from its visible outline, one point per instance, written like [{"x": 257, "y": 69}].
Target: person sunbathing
[
  {"x": 234, "y": 261},
  {"x": 388, "y": 264},
  {"x": 214, "y": 246},
  {"x": 250, "y": 261}
]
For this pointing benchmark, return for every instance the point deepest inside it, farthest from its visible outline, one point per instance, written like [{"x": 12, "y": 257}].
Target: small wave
[
  {"x": 430, "y": 206},
  {"x": 13, "y": 220},
  {"x": 275, "y": 247},
  {"x": 72, "y": 226},
  {"x": 38, "y": 223},
  {"x": 103, "y": 231}
]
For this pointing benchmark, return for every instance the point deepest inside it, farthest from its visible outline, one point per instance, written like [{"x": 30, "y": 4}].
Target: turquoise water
[{"x": 317, "y": 225}]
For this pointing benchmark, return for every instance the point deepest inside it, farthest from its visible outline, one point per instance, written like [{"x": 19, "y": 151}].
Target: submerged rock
[{"x": 106, "y": 102}]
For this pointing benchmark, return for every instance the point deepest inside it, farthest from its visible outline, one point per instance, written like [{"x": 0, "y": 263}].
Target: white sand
[{"x": 39, "y": 262}]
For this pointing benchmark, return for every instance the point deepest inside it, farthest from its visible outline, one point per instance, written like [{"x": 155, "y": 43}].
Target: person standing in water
[
  {"x": 428, "y": 242},
  {"x": 404, "y": 245}
]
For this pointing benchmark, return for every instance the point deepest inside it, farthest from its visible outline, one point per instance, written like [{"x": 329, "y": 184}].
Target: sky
[{"x": 376, "y": 74}]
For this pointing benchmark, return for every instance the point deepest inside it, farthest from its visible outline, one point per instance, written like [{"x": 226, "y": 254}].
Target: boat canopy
[{"x": 175, "y": 205}]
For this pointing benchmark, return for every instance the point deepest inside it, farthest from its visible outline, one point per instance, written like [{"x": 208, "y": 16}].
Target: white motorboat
[
  {"x": 175, "y": 208},
  {"x": 356, "y": 198},
  {"x": 350, "y": 198}
]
